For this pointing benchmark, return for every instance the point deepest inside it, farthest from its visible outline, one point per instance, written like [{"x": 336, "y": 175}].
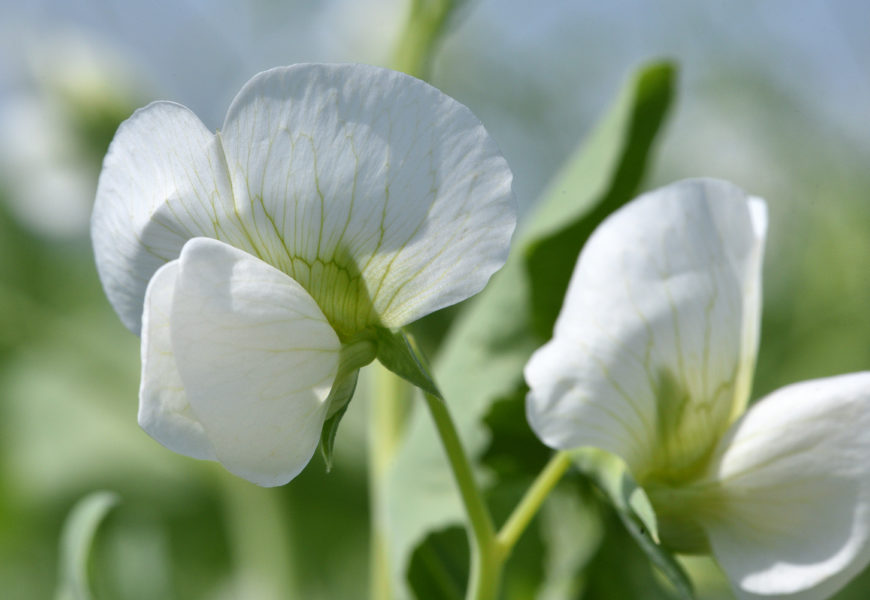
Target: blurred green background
[{"x": 772, "y": 96}]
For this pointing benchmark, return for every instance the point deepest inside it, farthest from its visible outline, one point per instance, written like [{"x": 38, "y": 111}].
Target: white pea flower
[
  {"x": 259, "y": 261},
  {"x": 652, "y": 360}
]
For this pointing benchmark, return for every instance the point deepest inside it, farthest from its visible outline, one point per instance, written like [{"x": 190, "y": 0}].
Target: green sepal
[
  {"x": 339, "y": 397},
  {"x": 398, "y": 352},
  {"x": 75, "y": 544},
  {"x": 632, "y": 505}
]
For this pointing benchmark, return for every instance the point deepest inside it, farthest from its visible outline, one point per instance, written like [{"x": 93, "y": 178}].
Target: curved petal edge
[
  {"x": 654, "y": 346},
  {"x": 388, "y": 186},
  {"x": 162, "y": 183},
  {"x": 791, "y": 514},
  {"x": 164, "y": 412},
  {"x": 257, "y": 357}
]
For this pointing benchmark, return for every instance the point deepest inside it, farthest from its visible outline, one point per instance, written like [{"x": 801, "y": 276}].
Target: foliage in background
[
  {"x": 68, "y": 377},
  {"x": 75, "y": 544}
]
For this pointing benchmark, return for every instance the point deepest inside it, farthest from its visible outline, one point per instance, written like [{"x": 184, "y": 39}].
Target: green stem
[
  {"x": 486, "y": 561},
  {"x": 388, "y": 408},
  {"x": 426, "y": 21},
  {"x": 258, "y": 538},
  {"x": 530, "y": 504},
  {"x": 486, "y": 568}
]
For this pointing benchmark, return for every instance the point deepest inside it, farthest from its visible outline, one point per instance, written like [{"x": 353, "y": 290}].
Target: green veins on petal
[
  {"x": 381, "y": 196},
  {"x": 363, "y": 196}
]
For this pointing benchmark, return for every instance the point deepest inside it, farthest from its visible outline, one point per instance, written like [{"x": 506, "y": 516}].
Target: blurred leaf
[
  {"x": 607, "y": 173},
  {"x": 134, "y": 554},
  {"x": 438, "y": 568},
  {"x": 515, "y": 452},
  {"x": 572, "y": 530},
  {"x": 75, "y": 544},
  {"x": 635, "y": 511},
  {"x": 70, "y": 418},
  {"x": 484, "y": 353},
  {"x": 95, "y": 119},
  {"x": 619, "y": 569},
  {"x": 612, "y": 477},
  {"x": 263, "y": 563}
]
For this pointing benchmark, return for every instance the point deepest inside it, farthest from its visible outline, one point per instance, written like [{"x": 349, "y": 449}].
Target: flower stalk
[
  {"x": 531, "y": 502},
  {"x": 390, "y": 399},
  {"x": 425, "y": 25},
  {"x": 490, "y": 550},
  {"x": 486, "y": 563}
]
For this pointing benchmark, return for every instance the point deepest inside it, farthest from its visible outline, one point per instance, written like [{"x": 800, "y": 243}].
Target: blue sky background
[{"x": 536, "y": 73}]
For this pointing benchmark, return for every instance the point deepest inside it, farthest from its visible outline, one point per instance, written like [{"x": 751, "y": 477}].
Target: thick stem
[
  {"x": 486, "y": 569},
  {"x": 426, "y": 21},
  {"x": 261, "y": 553},
  {"x": 390, "y": 402},
  {"x": 388, "y": 408},
  {"x": 486, "y": 562},
  {"x": 532, "y": 500}
]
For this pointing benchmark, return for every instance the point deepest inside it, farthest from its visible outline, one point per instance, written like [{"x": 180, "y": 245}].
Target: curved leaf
[
  {"x": 633, "y": 508},
  {"x": 75, "y": 544}
]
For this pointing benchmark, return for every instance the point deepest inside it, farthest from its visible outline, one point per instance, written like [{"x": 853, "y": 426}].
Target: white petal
[
  {"x": 257, "y": 358},
  {"x": 163, "y": 182},
  {"x": 164, "y": 412},
  {"x": 653, "y": 350},
  {"x": 792, "y": 517},
  {"x": 353, "y": 171}
]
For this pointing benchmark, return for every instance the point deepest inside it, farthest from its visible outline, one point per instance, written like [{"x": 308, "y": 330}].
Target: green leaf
[
  {"x": 619, "y": 569},
  {"x": 607, "y": 172},
  {"x": 485, "y": 351},
  {"x": 635, "y": 511},
  {"x": 516, "y": 452},
  {"x": 572, "y": 530},
  {"x": 611, "y": 475},
  {"x": 399, "y": 353},
  {"x": 75, "y": 544},
  {"x": 438, "y": 568},
  {"x": 339, "y": 397}
]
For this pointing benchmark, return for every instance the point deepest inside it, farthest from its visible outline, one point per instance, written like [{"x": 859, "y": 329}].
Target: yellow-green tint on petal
[
  {"x": 337, "y": 286},
  {"x": 679, "y": 512},
  {"x": 792, "y": 481},
  {"x": 656, "y": 333},
  {"x": 687, "y": 429},
  {"x": 384, "y": 198}
]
